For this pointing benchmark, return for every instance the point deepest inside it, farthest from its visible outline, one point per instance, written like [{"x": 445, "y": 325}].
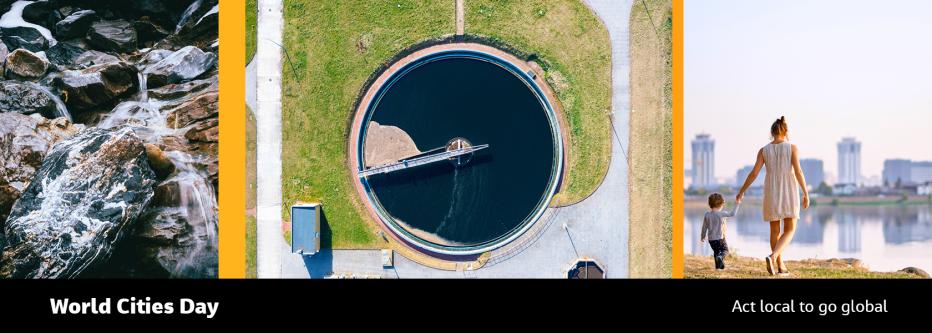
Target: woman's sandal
[{"x": 770, "y": 269}]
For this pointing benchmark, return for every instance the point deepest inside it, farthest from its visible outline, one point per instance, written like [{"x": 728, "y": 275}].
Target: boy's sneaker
[{"x": 719, "y": 262}]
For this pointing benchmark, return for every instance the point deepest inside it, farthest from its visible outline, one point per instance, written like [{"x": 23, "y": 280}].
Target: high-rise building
[
  {"x": 703, "y": 161},
  {"x": 849, "y": 161},
  {"x": 906, "y": 172},
  {"x": 920, "y": 172},
  {"x": 743, "y": 173},
  {"x": 897, "y": 171},
  {"x": 814, "y": 172}
]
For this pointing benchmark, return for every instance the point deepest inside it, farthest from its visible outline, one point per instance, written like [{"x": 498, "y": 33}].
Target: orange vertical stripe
[
  {"x": 232, "y": 225},
  {"x": 677, "y": 198}
]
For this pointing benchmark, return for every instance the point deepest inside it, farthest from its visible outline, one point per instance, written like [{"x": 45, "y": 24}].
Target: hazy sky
[{"x": 833, "y": 68}]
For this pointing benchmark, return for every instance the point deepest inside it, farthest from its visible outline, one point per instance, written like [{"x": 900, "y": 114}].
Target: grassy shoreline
[
  {"x": 737, "y": 267},
  {"x": 651, "y": 147}
]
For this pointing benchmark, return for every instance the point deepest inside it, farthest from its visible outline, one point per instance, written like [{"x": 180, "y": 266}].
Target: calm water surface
[
  {"x": 885, "y": 238},
  {"x": 502, "y": 185}
]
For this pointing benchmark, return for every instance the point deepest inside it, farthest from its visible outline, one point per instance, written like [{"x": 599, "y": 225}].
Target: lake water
[
  {"x": 884, "y": 237},
  {"x": 501, "y": 187}
]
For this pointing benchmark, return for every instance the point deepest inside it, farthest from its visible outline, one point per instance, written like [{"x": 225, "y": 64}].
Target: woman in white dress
[{"x": 783, "y": 181}]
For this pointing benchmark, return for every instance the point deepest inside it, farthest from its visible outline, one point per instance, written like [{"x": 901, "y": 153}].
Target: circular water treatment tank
[{"x": 452, "y": 100}]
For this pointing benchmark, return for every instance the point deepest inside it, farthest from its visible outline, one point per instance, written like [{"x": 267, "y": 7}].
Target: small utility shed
[{"x": 305, "y": 228}]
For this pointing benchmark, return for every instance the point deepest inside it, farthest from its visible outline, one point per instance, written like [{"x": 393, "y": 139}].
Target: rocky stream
[{"x": 108, "y": 139}]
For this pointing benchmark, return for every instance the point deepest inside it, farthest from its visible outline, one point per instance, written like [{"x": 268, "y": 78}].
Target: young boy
[{"x": 713, "y": 228}]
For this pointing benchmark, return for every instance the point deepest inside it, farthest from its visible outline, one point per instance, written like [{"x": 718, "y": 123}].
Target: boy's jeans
[{"x": 719, "y": 247}]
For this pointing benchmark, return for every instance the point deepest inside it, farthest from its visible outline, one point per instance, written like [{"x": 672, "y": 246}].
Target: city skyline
[
  {"x": 746, "y": 63},
  {"x": 908, "y": 171}
]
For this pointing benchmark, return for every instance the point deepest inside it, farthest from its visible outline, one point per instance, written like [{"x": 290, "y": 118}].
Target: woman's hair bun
[{"x": 779, "y": 127}]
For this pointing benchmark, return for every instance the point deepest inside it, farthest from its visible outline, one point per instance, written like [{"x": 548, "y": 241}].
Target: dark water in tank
[{"x": 502, "y": 185}]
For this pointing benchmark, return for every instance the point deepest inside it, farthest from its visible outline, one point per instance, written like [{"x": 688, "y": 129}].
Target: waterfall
[
  {"x": 187, "y": 14},
  {"x": 14, "y": 18},
  {"x": 198, "y": 208},
  {"x": 215, "y": 9},
  {"x": 143, "y": 91},
  {"x": 197, "y": 193},
  {"x": 60, "y": 108}
]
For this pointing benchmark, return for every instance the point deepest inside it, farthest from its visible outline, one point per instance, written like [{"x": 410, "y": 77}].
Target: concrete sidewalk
[{"x": 268, "y": 63}]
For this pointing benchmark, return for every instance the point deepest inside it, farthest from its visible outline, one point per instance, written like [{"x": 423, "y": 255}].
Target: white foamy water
[
  {"x": 197, "y": 193},
  {"x": 213, "y": 10},
  {"x": 187, "y": 14},
  {"x": 14, "y": 18},
  {"x": 59, "y": 105},
  {"x": 143, "y": 90}
]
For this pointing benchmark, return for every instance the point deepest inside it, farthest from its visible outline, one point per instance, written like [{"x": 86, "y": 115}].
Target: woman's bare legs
[
  {"x": 789, "y": 228},
  {"x": 774, "y": 238},
  {"x": 774, "y": 234}
]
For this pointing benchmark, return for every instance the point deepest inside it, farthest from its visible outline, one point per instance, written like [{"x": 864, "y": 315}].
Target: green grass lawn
[
  {"x": 334, "y": 48},
  {"x": 573, "y": 48},
  {"x": 252, "y": 10}
]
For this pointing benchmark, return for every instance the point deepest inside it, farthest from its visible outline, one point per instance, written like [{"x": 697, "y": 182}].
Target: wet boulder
[
  {"x": 27, "y": 98},
  {"x": 148, "y": 31},
  {"x": 160, "y": 162},
  {"x": 84, "y": 199},
  {"x": 114, "y": 35},
  {"x": 174, "y": 92},
  {"x": 201, "y": 107},
  {"x": 43, "y": 13},
  {"x": 76, "y": 24},
  {"x": 178, "y": 232},
  {"x": 96, "y": 85},
  {"x": 24, "y": 65},
  {"x": 24, "y": 141},
  {"x": 152, "y": 57},
  {"x": 24, "y": 37},
  {"x": 63, "y": 54},
  {"x": 176, "y": 243},
  {"x": 164, "y": 12},
  {"x": 91, "y": 58},
  {"x": 183, "y": 65},
  {"x": 204, "y": 131}
]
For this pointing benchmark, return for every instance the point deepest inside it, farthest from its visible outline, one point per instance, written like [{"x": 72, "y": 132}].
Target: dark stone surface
[
  {"x": 148, "y": 31},
  {"x": 75, "y": 25},
  {"x": 96, "y": 85},
  {"x": 87, "y": 194},
  {"x": 115, "y": 35},
  {"x": 63, "y": 54},
  {"x": 185, "y": 64},
  {"x": 24, "y": 141},
  {"x": 24, "y": 37},
  {"x": 26, "y": 98}
]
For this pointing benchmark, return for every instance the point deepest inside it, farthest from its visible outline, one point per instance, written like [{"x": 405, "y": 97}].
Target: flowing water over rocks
[{"x": 108, "y": 136}]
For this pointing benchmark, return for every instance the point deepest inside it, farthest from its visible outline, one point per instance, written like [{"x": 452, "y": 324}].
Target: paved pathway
[
  {"x": 596, "y": 228},
  {"x": 268, "y": 63},
  {"x": 251, "y": 85},
  {"x": 460, "y": 18}
]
